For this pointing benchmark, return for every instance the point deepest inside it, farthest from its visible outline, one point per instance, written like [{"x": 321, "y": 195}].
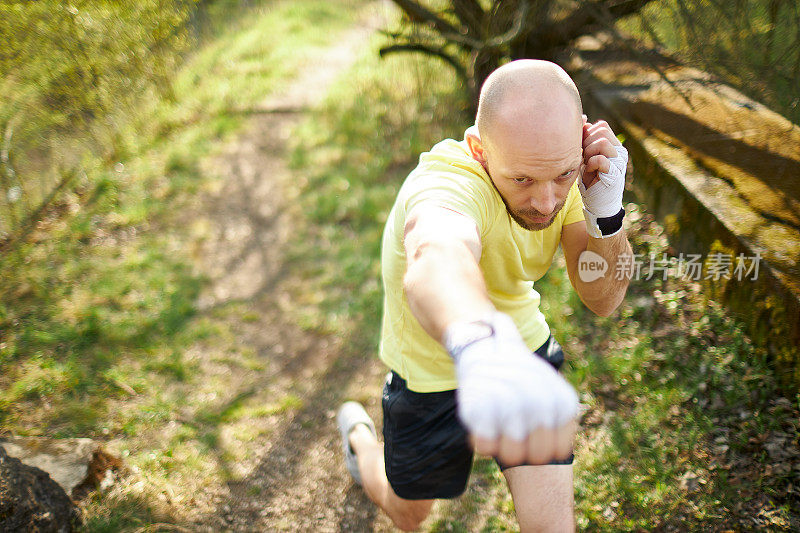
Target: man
[{"x": 473, "y": 226}]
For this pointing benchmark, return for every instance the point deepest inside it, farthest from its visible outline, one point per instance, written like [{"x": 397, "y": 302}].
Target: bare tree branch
[
  {"x": 579, "y": 22},
  {"x": 464, "y": 41},
  {"x": 430, "y": 50},
  {"x": 420, "y": 13},
  {"x": 516, "y": 31},
  {"x": 471, "y": 15},
  {"x": 491, "y": 32}
]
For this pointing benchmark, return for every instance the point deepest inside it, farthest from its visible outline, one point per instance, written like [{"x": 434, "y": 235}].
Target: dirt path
[{"x": 293, "y": 478}]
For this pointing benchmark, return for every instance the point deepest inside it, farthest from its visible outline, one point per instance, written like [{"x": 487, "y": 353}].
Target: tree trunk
[{"x": 506, "y": 30}]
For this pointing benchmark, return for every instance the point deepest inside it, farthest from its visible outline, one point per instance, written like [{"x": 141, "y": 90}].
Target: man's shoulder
[{"x": 447, "y": 151}]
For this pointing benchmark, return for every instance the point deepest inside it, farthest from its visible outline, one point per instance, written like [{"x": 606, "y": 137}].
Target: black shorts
[{"x": 426, "y": 448}]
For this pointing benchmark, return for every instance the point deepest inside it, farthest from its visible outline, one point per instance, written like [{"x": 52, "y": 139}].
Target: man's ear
[{"x": 477, "y": 150}]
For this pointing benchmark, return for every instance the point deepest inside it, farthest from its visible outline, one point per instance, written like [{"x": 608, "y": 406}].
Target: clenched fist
[
  {"x": 603, "y": 182},
  {"x": 512, "y": 402}
]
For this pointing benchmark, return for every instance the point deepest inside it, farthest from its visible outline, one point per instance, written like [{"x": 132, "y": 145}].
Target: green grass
[
  {"x": 98, "y": 307},
  {"x": 112, "y": 284},
  {"x": 350, "y": 176}
]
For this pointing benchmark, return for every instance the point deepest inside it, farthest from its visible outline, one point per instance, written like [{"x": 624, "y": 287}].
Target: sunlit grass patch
[
  {"x": 99, "y": 327},
  {"x": 351, "y": 159},
  {"x": 104, "y": 286}
]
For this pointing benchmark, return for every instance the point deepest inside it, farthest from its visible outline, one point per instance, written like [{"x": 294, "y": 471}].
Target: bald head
[
  {"x": 526, "y": 93},
  {"x": 531, "y": 139}
]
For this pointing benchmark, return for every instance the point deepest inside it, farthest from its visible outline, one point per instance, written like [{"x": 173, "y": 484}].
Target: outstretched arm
[
  {"x": 443, "y": 281},
  {"x": 513, "y": 403}
]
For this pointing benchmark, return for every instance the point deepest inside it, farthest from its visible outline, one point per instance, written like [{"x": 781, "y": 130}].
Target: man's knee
[{"x": 409, "y": 514}]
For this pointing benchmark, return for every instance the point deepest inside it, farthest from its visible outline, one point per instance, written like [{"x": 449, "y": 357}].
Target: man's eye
[
  {"x": 566, "y": 174},
  {"x": 520, "y": 180}
]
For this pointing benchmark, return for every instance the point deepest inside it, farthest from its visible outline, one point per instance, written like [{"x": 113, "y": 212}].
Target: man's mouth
[{"x": 538, "y": 220}]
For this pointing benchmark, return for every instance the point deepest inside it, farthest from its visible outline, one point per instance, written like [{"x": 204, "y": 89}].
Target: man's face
[{"x": 533, "y": 171}]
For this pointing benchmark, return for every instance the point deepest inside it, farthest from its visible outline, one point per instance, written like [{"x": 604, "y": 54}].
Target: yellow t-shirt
[{"x": 512, "y": 258}]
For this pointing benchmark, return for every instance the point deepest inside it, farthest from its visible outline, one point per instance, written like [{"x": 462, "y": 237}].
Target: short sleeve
[{"x": 453, "y": 188}]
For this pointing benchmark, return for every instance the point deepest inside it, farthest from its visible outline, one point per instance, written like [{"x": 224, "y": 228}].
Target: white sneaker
[{"x": 351, "y": 414}]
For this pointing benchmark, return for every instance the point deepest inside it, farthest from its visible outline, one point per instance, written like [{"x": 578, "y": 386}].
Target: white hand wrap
[
  {"x": 503, "y": 388},
  {"x": 604, "y": 198}
]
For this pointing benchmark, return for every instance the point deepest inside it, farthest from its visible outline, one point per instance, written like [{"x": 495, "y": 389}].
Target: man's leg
[
  {"x": 406, "y": 514},
  {"x": 543, "y": 497}
]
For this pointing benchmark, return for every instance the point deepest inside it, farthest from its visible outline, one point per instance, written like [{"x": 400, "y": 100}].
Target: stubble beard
[{"x": 517, "y": 216}]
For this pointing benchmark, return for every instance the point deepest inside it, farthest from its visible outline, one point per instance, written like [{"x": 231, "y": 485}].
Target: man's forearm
[
  {"x": 604, "y": 295},
  {"x": 444, "y": 284}
]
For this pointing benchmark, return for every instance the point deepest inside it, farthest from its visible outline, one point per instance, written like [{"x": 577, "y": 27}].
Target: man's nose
[{"x": 544, "y": 198}]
